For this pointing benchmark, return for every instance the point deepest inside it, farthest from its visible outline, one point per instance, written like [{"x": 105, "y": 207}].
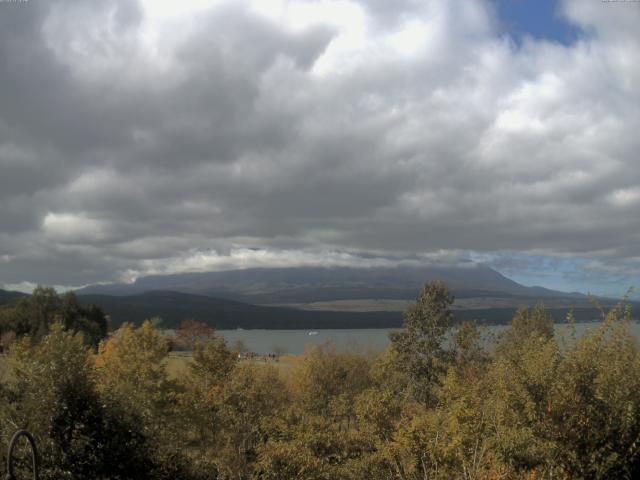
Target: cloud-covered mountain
[
  {"x": 314, "y": 284},
  {"x": 314, "y": 297}
]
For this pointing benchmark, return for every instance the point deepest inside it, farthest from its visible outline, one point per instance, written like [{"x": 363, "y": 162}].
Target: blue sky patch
[
  {"x": 540, "y": 19},
  {"x": 568, "y": 274}
]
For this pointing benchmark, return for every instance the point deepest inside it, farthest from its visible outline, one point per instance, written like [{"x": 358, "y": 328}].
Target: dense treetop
[{"x": 34, "y": 314}]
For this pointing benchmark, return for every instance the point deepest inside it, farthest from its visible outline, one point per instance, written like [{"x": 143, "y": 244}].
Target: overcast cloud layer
[{"x": 153, "y": 137}]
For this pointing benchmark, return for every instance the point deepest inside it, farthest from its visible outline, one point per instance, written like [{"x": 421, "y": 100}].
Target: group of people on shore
[{"x": 266, "y": 358}]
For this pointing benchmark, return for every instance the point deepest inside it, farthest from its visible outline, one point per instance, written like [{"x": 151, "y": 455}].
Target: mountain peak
[{"x": 312, "y": 284}]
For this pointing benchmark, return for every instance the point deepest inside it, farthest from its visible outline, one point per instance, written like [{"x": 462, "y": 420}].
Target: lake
[{"x": 376, "y": 339}]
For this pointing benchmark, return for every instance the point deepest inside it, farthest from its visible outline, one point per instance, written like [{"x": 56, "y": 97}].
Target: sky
[{"x": 161, "y": 136}]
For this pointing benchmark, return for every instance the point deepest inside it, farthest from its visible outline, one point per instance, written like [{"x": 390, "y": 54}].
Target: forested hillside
[
  {"x": 8, "y": 296},
  {"x": 174, "y": 307}
]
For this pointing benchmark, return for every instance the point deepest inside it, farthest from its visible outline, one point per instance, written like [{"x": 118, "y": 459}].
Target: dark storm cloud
[{"x": 131, "y": 142}]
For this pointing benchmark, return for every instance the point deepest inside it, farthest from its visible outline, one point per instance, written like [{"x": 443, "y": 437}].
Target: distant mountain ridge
[
  {"x": 313, "y": 284},
  {"x": 173, "y": 307},
  {"x": 317, "y": 297},
  {"x": 7, "y": 296}
]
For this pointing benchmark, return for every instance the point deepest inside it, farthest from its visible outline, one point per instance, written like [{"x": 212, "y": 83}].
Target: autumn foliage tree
[{"x": 191, "y": 333}]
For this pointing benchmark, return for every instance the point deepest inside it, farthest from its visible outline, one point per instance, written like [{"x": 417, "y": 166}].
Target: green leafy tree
[
  {"x": 52, "y": 393},
  {"x": 419, "y": 345},
  {"x": 34, "y": 314}
]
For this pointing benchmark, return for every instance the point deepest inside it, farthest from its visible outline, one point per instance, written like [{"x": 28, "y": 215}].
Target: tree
[
  {"x": 33, "y": 315},
  {"x": 527, "y": 325},
  {"x": 132, "y": 379},
  {"x": 250, "y": 395},
  {"x": 419, "y": 344},
  {"x": 319, "y": 435},
  {"x": 90, "y": 320},
  {"x": 327, "y": 382},
  {"x": 212, "y": 363},
  {"x": 192, "y": 332},
  {"x": 131, "y": 373},
  {"x": 594, "y": 410},
  {"x": 52, "y": 393}
]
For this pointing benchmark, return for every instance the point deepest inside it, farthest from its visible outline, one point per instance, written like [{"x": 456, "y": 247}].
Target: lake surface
[{"x": 374, "y": 339}]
